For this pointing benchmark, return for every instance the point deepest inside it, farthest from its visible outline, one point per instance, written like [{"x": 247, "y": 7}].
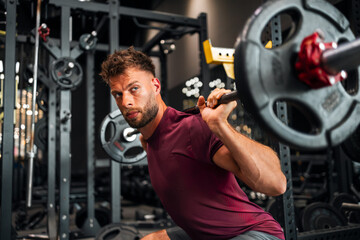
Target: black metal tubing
[
  {"x": 163, "y": 77},
  {"x": 204, "y": 67},
  {"x": 55, "y": 51},
  {"x": 154, "y": 41},
  {"x": 91, "y": 225},
  {"x": 7, "y": 150},
  {"x": 131, "y": 12},
  {"x": 351, "y": 232},
  {"x": 329, "y": 172},
  {"x": 355, "y": 16},
  {"x": 115, "y": 168},
  {"x": 51, "y": 203},
  {"x": 65, "y": 129},
  {"x": 285, "y": 202},
  {"x": 344, "y": 170}
]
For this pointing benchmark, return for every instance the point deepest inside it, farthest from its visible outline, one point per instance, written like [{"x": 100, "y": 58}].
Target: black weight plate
[
  {"x": 340, "y": 198},
  {"x": 41, "y": 133},
  {"x": 84, "y": 42},
  {"x": 265, "y": 76},
  {"x": 42, "y": 99},
  {"x": 116, "y": 231},
  {"x": 320, "y": 215},
  {"x": 116, "y": 146},
  {"x": 65, "y": 77}
]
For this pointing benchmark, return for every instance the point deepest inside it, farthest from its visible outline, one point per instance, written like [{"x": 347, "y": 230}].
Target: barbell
[
  {"x": 305, "y": 72},
  {"x": 66, "y": 73},
  {"x": 266, "y": 76}
]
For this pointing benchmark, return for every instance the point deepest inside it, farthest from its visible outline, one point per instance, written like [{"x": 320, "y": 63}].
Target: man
[{"x": 193, "y": 159}]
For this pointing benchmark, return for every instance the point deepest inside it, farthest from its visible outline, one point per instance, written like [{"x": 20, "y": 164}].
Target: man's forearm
[{"x": 259, "y": 166}]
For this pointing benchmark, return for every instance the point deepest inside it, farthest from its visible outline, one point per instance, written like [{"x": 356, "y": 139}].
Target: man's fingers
[
  {"x": 215, "y": 96},
  {"x": 201, "y": 102}
]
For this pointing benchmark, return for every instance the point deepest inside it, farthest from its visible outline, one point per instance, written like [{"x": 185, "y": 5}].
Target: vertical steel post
[
  {"x": 51, "y": 204},
  {"x": 163, "y": 77},
  {"x": 204, "y": 67},
  {"x": 91, "y": 225},
  {"x": 115, "y": 166},
  {"x": 285, "y": 201},
  {"x": 355, "y": 16},
  {"x": 65, "y": 130},
  {"x": 7, "y": 150}
]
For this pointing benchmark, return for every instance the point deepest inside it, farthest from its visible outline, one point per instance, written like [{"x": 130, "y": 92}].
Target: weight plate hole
[
  {"x": 300, "y": 118},
  {"x": 109, "y": 132},
  {"x": 133, "y": 152},
  {"x": 290, "y": 23},
  {"x": 112, "y": 235},
  {"x": 65, "y": 81}
]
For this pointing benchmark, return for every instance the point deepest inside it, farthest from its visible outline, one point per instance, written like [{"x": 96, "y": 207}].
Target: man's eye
[
  {"x": 134, "y": 88},
  {"x": 117, "y": 95}
]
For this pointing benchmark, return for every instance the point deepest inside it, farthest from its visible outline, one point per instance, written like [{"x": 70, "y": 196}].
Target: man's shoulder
[
  {"x": 187, "y": 117},
  {"x": 182, "y": 119}
]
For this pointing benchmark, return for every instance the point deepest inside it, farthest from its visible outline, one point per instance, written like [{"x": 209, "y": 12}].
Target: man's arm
[{"x": 253, "y": 163}]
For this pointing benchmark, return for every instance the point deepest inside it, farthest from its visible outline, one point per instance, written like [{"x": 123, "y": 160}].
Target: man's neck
[{"x": 149, "y": 129}]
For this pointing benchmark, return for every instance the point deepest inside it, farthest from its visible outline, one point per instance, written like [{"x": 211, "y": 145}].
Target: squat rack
[{"x": 114, "y": 11}]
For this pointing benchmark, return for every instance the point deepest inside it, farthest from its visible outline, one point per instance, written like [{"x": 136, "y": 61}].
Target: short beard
[{"x": 149, "y": 113}]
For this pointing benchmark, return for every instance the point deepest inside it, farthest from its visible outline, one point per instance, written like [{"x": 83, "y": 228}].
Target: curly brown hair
[{"x": 119, "y": 61}]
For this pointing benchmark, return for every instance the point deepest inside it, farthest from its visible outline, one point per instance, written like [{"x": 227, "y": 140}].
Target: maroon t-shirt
[{"x": 202, "y": 198}]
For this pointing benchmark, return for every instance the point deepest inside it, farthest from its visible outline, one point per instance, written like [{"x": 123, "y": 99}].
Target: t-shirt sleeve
[{"x": 204, "y": 143}]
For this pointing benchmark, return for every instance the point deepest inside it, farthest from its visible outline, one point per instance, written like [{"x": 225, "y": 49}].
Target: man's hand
[
  {"x": 253, "y": 163},
  {"x": 213, "y": 115}
]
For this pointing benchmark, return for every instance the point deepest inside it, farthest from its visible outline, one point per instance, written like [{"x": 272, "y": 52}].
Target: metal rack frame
[{"x": 114, "y": 11}]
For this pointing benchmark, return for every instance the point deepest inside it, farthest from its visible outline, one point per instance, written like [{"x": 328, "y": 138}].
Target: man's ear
[{"x": 156, "y": 84}]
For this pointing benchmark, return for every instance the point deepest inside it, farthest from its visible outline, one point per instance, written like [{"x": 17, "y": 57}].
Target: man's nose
[{"x": 127, "y": 101}]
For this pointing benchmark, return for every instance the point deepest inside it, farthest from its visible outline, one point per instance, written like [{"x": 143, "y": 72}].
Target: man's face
[{"x": 134, "y": 93}]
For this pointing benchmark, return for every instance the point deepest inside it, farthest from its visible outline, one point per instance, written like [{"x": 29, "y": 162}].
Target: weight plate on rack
[
  {"x": 119, "y": 146},
  {"x": 41, "y": 133},
  {"x": 42, "y": 99},
  {"x": 340, "y": 198},
  {"x": 118, "y": 232},
  {"x": 321, "y": 215},
  {"x": 66, "y": 73}
]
